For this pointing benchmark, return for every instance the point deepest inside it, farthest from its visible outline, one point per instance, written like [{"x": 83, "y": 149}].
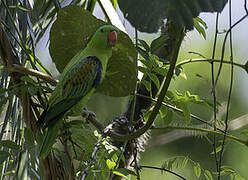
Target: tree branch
[{"x": 32, "y": 72}]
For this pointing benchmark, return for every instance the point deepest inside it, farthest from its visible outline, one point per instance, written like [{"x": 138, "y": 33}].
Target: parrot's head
[{"x": 106, "y": 36}]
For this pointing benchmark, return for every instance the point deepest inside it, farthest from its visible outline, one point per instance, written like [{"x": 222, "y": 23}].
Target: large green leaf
[
  {"x": 71, "y": 32},
  {"x": 148, "y": 15}
]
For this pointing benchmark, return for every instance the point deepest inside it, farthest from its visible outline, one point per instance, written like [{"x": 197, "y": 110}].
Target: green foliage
[
  {"x": 75, "y": 26},
  {"x": 217, "y": 150},
  {"x": 123, "y": 172},
  {"x": 114, "y": 2},
  {"x": 31, "y": 86},
  {"x": 181, "y": 12},
  {"x": 180, "y": 162},
  {"x": 3, "y": 156},
  {"x": 82, "y": 143},
  {"x": 83, "y": 136},
  {"x": 152, "y": 68},
  {"x": 183, "y": 102},
  {"x": 229, "y": 171},
  {"x": 200, "y": 26},
  {"x": 158, "y": 43},
  {"x": 10, "y": 145},
  {"x": 166, "y": 114},
  {"x": 36, "y": 61},
  {"x": 208, "y": 175},
  {"x": 185, "y": 161},
  {"x": 197, "y": 170},
  {"x": 91, "y": 5}
]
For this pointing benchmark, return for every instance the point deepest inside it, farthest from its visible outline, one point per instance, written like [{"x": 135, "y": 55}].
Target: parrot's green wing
[{"x": 80, "y": 80}]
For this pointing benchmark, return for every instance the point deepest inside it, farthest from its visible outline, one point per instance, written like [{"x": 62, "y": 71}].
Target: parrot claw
[{"x": 86, "y": 114}]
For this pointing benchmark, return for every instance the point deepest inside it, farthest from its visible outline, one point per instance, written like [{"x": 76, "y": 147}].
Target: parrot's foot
[{"x": 88, "y": 114}]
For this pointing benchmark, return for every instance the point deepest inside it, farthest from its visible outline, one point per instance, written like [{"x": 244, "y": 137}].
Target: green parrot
[{"x": 77, "y": 83}]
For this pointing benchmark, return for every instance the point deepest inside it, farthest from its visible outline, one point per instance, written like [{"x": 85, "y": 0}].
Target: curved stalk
[{"x": 210, "y": 61}]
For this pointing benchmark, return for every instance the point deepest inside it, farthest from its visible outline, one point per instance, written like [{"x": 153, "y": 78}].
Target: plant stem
[
  {"x": 163, "y": 169},
  {"x": 210, "y": 61}
]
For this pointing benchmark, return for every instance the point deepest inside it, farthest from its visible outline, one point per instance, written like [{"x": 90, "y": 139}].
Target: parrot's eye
[{"x": 101, "y": 30}]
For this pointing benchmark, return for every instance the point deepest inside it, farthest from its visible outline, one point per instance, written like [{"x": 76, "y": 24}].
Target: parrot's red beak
[{"x": 112, "y": 38}]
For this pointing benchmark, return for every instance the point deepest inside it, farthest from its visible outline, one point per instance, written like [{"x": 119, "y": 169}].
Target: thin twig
[
  {"x": 135, "y": 159},
  {"x": 245, "y": 7},
  {"x": 214, "y": 93},
  {"x": 163, "y": 169},
  {"x": 197, "y": 53},
  {"x": 133, "y": 102},
  {"x": 230, "y": 90},
  {"x": 210, "y": 61}
]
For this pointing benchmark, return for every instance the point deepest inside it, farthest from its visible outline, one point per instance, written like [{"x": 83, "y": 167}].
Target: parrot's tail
[{"x": 50, "y": 138}]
